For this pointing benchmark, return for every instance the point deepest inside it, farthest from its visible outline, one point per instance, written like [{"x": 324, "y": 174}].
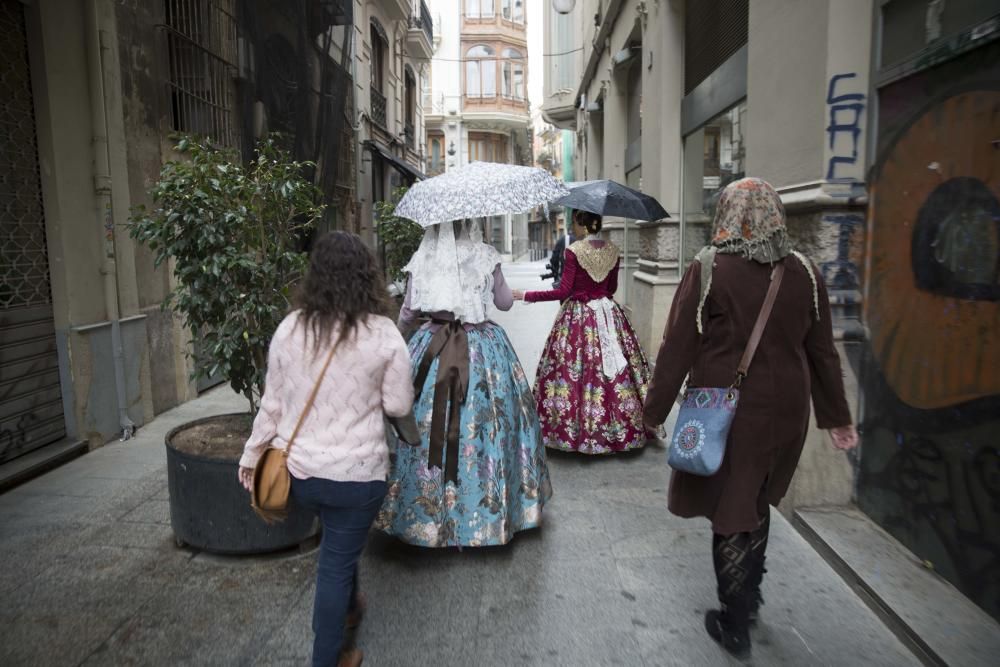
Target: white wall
[{"x": 796, "y": 50}]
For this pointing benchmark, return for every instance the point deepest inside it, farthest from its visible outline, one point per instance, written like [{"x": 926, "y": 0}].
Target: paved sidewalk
[{"x": 91, "y": 574}]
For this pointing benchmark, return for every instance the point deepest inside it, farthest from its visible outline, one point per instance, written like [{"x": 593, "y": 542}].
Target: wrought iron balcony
[
  {"x": 410, "y": 133},
  {"x": 378, "y": 108},
  {"x": 424, "y": 21}
]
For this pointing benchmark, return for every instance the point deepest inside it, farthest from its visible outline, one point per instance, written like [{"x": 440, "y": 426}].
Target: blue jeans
[{"x": 346, "y": 511}]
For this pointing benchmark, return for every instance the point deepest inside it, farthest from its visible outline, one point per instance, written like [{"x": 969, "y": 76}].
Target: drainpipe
[{"x": 98, "y": 44}]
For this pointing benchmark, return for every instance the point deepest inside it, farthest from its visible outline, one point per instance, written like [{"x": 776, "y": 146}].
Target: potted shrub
[
  {"x": 400, "y": 239},
  {"x": 231, "y": 233}
]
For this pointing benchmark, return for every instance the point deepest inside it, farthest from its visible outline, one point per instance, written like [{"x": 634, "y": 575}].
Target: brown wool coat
[{"x": 796, "y": 358}]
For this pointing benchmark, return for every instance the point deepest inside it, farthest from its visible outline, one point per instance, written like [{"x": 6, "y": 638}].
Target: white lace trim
[
  {"x": 709, "y": 257},
  {"x": 812, "y": 276},
  {"x": 453, "y": 276},
  {"x": 612, "y": 357},
  {"x": 703, "y": 299}
]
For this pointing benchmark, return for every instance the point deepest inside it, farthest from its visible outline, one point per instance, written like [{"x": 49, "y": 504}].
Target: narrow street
[{"x": 92, "y": 575}]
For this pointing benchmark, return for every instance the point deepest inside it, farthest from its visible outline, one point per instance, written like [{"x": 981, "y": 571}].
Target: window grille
[
  {"x": 201, "y": 39},
  {"x": 713, "y": 31}
]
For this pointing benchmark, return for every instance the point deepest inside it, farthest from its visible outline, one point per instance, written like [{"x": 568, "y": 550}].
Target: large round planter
[{"x": 210, "y": 510}]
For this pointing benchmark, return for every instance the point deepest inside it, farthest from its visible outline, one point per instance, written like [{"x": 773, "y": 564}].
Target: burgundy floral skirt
[{"x": 581, "y": 408}]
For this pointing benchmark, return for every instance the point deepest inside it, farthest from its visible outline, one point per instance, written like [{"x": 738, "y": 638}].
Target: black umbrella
[{"x": 611, "y": 198}]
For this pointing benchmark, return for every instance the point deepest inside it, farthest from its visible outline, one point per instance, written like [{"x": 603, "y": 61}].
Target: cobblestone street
[{"x": 92, "y": 575}]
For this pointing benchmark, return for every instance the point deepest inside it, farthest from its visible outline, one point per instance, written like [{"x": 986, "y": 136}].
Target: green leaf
[{"x": 231, "y": 281}]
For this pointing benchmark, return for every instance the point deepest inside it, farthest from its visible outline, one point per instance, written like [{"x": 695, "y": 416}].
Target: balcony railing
[
  {"x": 423, "y": 20},
  {"x": 378, "y": 108},
  {"x": 410, "y": 133}
]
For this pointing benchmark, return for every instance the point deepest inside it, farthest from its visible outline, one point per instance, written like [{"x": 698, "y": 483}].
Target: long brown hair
[{"x": 343, "y": 286}]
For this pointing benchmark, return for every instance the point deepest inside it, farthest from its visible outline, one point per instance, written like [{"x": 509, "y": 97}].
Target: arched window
[
  {"x": 479, "y": 9},
  {"x": 513, "y": 10},
  {"x": 513, "y": 74},
  {"x": 409, "y": 106},
  {"x": 379, "y": 57},
  {"x": 480, "y": 72},
  {"x": 380, "y": 45}
]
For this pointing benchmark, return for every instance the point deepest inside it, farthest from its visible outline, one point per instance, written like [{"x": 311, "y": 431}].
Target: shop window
[
  {"x": 480, "y": 72},
  {"x": 714, "y": 157},
  {"x": 513, "y": 74}
]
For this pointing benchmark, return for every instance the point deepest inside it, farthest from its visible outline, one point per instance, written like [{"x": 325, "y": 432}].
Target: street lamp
[{"x": 563, "y": 6}]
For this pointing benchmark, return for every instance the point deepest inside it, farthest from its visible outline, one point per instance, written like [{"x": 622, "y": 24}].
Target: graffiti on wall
[
  {"x": 842, "y": 273},
  {"x": 846, "y": 109},
  {"x": 930, "y": 461}
]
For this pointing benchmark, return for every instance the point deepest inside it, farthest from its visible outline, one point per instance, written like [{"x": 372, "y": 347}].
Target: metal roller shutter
[
  {"x": 31, "y": 410},
  {"x": 713, "y": 31}
]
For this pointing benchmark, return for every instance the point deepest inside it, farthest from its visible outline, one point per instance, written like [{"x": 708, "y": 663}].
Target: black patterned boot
[
  {"x": 758, "y": 546},
  {"x": 731, "y": 629},
  {"x": 734, "y": 566}
]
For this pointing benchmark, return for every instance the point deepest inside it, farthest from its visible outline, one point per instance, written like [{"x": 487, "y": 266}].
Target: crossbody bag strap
[
  {"x": 312, "y": 397},
  {"x": 758, "y": 327}
]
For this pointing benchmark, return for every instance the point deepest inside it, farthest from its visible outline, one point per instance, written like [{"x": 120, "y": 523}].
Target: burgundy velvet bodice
[{"x": 577, "y": 284}]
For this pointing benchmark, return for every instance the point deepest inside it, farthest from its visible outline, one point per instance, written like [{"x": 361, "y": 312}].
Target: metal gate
[{"x": 31, "y": 410}]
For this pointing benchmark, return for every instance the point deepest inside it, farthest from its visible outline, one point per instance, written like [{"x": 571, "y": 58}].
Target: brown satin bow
[{"x": 450, "y": 344}]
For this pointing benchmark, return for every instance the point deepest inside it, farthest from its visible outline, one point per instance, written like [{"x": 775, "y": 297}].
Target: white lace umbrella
[{"x": 479, "y": 190}]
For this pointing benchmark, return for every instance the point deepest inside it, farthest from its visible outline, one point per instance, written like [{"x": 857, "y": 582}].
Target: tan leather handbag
[{"x": 272, "y": 483}]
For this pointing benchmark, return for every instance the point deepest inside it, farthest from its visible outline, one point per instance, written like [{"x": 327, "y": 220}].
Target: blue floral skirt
[{"x": 503, "y": 479}]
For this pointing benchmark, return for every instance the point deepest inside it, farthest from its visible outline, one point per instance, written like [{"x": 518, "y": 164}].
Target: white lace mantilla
[
  {"x": 612, "y": 357},
  {"x": 453, "y": 275}
]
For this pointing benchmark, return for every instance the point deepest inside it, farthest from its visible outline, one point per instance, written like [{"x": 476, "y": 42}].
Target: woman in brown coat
[{"x": 709, "y": 325}]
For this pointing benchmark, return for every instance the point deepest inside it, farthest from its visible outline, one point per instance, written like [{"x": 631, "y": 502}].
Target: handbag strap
[
  {"x": 758, "y": 327},
  {"x": 312, "y": 397}
]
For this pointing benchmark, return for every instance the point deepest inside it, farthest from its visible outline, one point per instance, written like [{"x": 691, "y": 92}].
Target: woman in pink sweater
[{"x": 339, "y": 460}]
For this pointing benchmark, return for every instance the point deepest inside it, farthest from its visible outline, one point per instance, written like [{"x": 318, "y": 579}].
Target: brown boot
[{"x": 350, "y": 657}]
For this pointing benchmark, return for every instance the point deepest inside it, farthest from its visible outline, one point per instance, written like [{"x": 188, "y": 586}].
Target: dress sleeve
[
  {"x": 613, "y": 278},
  {"x": 397, "y": 387},
  {"x": 565, "y": 283},
  {"x": 406, "y": 315},
  {"x": 826, "y": 375},
  {"x": 677, "y": 351},
  {"x": 265, "y": 424},
  {"x": 503, "y": 297}
]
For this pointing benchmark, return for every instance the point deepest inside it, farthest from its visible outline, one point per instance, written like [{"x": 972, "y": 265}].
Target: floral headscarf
[{"x": 749, "y": 221}]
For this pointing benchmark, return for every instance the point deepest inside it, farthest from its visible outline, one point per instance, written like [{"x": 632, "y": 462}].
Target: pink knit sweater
[{"x": 343, "y": 437}]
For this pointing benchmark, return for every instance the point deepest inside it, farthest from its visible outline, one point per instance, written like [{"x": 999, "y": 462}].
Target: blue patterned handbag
[{"x": 706, "y": 415}]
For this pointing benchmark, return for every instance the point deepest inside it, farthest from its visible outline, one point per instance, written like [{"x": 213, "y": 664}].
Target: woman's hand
[
  {"x": 518, "y": 294},
  {"x": 844, "y": 437},
  {"x": 246, "y": 477}
]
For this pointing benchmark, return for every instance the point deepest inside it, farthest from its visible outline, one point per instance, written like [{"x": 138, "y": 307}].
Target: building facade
[
  {"x": 871, "y": 118},
  {"x": 476, "y": 101},
  {"x": 394, "y": 41},
  {"x": 553, "y": 152},
  {"x": 93, "y": 93}
]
